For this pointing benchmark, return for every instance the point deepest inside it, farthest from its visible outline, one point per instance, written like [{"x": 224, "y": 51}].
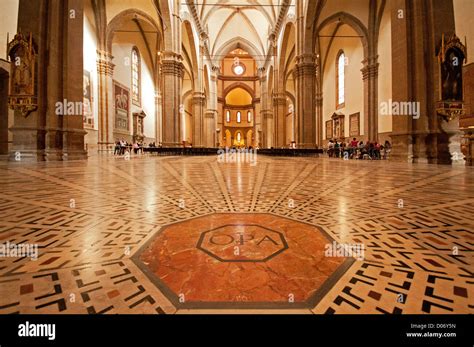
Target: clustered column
[
  {"x": 319, "y": 119},
  {"x": 370, "y": 78},
  {"x": 211, "y": 137},
  {"x": 198, "y": 112},
  {"x": 105, "y": 69},
  {"x": 279, "y": 107},
  {"x": 305, "y": 74},
  {"x": 173, "y": 73},
  {"x": 266, "y": 115}
]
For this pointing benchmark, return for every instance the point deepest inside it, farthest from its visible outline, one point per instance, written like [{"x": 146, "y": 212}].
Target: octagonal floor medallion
[{"x": 227, "y": 260}]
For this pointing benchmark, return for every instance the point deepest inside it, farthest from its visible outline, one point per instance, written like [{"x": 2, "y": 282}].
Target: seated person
[{"x": 377, "y": 150}]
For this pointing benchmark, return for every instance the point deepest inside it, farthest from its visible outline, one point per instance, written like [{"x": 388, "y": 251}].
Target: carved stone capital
[
  {"x": 172, "y": 67},
  {"x": 199, "y": 98},
  {"x": 266, "y": 114},
  {"x": 172, "y": 64},
  {"x": 211, "y": 114},
  {"x": 279, "y": 99},
  {"x": 104, "y": 63},
  {"x": 371, "y": 68},
  {"x": 305, "y": 65}
]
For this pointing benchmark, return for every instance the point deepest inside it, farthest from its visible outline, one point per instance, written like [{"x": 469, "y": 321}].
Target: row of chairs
[
  {"x": 280, "y": 152},
  {"x": 290, "y": 152},
  {"x": 180, "y": 151}
]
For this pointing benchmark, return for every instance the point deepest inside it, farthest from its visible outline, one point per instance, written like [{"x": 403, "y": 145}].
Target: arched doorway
[
  {"x": 238, "y": 102},
  {"x": 228, "y": 139}
]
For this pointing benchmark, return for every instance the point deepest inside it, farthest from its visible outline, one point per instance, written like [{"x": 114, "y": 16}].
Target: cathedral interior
[{"x": 236, "y": 156}]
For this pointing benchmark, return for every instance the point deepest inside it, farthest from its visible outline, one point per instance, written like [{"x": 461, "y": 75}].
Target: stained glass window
[
  {"x": 136, "y": 71},
  {"x": 341, "y": 64}
]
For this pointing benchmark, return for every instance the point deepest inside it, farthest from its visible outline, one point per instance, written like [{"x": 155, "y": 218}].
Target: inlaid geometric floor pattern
[{"x": 103, "y": 247}]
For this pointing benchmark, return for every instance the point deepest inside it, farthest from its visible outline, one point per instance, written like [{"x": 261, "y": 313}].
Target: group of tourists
[
  {"x": 122, "y": 147},
  {"x": 358, "y": 149}
]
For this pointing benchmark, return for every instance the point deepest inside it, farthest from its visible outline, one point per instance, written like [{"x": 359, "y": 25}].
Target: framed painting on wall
[
  {"x": 328, "y": 129},
  {"x": 354, "y": 124},
  {"x": 87, "y": 113},
  {"x": 122, "y": 106}
]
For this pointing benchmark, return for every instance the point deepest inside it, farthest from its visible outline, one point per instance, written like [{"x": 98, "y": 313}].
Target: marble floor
[{"x": 196, "y": 235}]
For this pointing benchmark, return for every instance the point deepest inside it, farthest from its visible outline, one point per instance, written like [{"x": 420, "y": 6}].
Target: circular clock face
[{"x": 239, "y": 69}]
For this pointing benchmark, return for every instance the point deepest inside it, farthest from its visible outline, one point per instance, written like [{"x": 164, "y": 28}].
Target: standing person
[
  {"x": 330, "y": 148},
  {"x": 387, "y": 148},
  {"x": 117, "y": 147},
  {"x": 377, "y": 150},
  {"x": 361, "y": 150},
  {"x": 370, "y": 149},
  {"x": 354, "y": 143},
  {"x": 336, "y": 149},
  {"x": 136, "y": 147},
  {"x": 123, "y": 145}
]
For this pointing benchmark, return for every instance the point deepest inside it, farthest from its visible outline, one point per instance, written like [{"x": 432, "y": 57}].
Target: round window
[{"x": 238, "y": 69}]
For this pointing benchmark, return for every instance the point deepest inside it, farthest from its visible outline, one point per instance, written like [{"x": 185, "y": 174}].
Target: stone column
[
  {"x": 210, "y": 135},
  {"x": 199, "y": 99},
  {"x": 72, "y": 71},
  {"x": 450, "y": 137},
  {"x": 402, "y": 68},
  {"x": 305, "y": 74},
  {"x": 261, "y": 121},
  {"x": 105, "y": 71},
  {"x": 319, "y": 119},
  {"x": 213, "y": 107},
  {"x": 46, "y": 133},
  {"x": 159, "y": 117},
  {"x": 469, "y": 136},
  {"x": 268, "y": 133},
  {"x": 370, "y": 79},
  {"x": 415, "y": 79},
  {"x": 279, "y": 108},
  {"x": 173, "y": 73},
  {"x": 29, "y": 132},
  {"x": 4, "y": 110}
]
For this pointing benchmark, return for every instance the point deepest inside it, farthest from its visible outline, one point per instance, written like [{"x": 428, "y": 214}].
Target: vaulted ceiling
[{"x": 245, "y": 23}]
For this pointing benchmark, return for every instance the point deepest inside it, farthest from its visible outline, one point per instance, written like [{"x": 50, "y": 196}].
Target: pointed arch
[
  {"x": 350, "y": 20},
  {"x": 163, "y": 10},
  {"x": 290, "y": 29},
  {"x": 192, "y": 55},
  {"x": 249, "y": 25},
  {"x": 125, "y": 16},
  {"x": 238, "y": 42}
]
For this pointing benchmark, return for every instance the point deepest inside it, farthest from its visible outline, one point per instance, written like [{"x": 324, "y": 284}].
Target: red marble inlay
[{"x": 241, "y": 257}]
